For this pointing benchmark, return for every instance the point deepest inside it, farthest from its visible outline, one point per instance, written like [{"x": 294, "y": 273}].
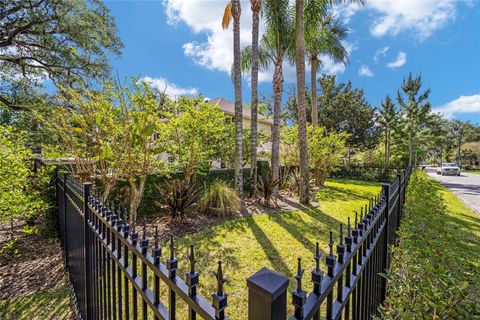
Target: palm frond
[{"x": 227, "y": 16}]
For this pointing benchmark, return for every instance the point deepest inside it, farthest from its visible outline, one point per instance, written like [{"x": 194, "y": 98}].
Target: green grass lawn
[
  {"x": 436, "y": 268},
  {"x": 477, "y": 171},
  {"x": 273, "y": 240},
  {"x": 54, "y": 303}
]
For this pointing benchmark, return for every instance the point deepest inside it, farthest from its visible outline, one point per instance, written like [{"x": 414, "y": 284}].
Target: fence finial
[
  {"x": 317, "y": 257},
  {"x": 191, "y": 258},
  {"x": 341, "y": 233},
  {"x": 156, "y": 237},
  {"x": 220, "y": 279},
  {"x": 330, "y": 244},
  {"x": 349, "y": 227},
  {"x": 172, "y": 248},
  {"x": 299, "y": 275},
  {"x": 144, "y": 229}
]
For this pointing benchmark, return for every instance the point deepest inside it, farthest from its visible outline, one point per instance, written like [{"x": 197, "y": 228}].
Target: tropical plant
[
  {"x": 178, "y": 196},
  {"x": 324, "y": 35},
  {"x": 219, "y": 199},
  {"x": 387, "y": 119},
  {"x": 415, "y": 111},
  {"x": 256, "y": 6},
  {"x": 267, "y": 188},
  {"x": 233, "y": 10},
  {"x": 273, "y": 49}
]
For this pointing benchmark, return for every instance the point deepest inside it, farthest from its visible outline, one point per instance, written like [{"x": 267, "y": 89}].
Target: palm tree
[
  {"x": 415, "y": 111},
  {"x": 301, "y": 101},
  {"x": 233, "y": 10},
  {"x": 255, "y": 6},
  {"x": 387, "y": 119},
  {"x": 273, "y": 49},
  {"x": 324, "y": 35}
]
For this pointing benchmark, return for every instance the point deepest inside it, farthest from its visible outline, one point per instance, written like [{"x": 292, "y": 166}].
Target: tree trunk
[
  {"x": 313, "y": 80},
  {"x": 136, "y": 195},
  {"x": 301, "y": 103},
  {"x": 386, "y": 148},
  {"x": 410, "y": 148},
  {"x": 236, "y": 11},
  {"x": 254, "y": 125},
  {"x": 277, "y": 101}
]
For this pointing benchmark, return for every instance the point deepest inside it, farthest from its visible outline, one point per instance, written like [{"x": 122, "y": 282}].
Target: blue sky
[{"x": 180, "y": 47}]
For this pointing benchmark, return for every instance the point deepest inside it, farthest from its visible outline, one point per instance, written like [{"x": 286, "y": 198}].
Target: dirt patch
[{"x": 33, "y": 264}]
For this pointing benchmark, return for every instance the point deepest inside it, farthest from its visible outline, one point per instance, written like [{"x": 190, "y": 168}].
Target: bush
[
  {"x": 178, "y": 196},
  {"x": 267, "y": 186},
  {"x": 434, "y": 271},
  {"x": 219, "y": 198},
  {"x": 365, "y": 173}
]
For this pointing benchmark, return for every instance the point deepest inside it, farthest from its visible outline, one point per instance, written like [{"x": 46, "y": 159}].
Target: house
[{"x": 265, "y": 124}]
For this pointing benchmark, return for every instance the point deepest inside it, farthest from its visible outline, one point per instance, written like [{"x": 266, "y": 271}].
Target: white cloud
[
  {"x": 170, "y": 89},
  {"x": 365, "y": 71},
  {"x": 381, "y": 52},
  {"x": 215, "y": 52},
  {"x": 422, "y": 17},
  {"x": 463, "y": 104},
  {"x": 399, "y": 61}
]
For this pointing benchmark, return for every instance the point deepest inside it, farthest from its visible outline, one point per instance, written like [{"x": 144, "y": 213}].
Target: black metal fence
[{"x": 117, "y": 275}]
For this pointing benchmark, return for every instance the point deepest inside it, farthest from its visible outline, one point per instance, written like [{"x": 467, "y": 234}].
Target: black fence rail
[{"x": 116, "y": 274}]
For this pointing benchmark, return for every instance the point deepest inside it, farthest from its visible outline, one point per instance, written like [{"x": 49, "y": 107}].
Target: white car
[{"x": 449, "y": 169}]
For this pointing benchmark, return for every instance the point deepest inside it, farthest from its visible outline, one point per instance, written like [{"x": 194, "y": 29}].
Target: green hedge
[
  {"x": 435, "y": 270},
  {"x": 365, "y": 173}
]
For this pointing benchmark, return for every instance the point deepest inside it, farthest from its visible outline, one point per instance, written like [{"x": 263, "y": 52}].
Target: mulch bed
[
  {"x": 195, "y": 222},
  {"x": 36, "y": 266}
]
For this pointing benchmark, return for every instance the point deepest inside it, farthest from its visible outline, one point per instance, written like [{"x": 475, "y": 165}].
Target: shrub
[
  {"x": 178, "y": 196},
  {"x": 219, "y": 198},
  {"x": 266, "y": 187},
  {"x": 434, "y": 271}
]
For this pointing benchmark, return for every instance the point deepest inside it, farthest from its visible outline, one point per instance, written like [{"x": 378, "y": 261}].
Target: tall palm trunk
[
  {"x": 236, "y": 11},
  {"x": 313, "y": 80},
  {"x": 256, "y": 5},
  {"x": 301, "y": 104},
  {"x": 277, "y": 100}
]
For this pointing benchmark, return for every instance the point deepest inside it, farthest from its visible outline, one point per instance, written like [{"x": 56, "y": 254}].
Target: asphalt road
[{"x": 466, "y": 187}]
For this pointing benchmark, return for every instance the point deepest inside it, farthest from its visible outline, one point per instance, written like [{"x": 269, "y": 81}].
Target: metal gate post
[{"x": 87, "y": 188}]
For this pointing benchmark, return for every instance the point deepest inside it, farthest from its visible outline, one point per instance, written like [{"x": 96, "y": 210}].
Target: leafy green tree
[
  {"x": 197, "y": 133},
  {"x": 19, "y": 198},
  {"x": 387, "y": 119},
  {"x": 66, "y": 41},
  {"x": 326, "y": 149},
  {"x": 415, "y": 111},
  {"x": 85, "y": 126},
  {"x": 233, "y": 10},
  {"x": 345, "y": 109}
]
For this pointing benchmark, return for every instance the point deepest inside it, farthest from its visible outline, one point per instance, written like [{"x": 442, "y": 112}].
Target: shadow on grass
[
  {"x": 49, "y": 304},
  {"x": 269, "y": 249}
]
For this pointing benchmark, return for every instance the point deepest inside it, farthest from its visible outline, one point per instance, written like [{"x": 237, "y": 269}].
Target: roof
[{"x": 228, "y": 107}]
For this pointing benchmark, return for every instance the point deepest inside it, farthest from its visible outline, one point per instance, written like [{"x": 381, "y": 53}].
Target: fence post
[
  {"x": 65, "y": 241},
  {"x": 87, "y": 188},
  {"x": 386, "y": 194},
  {"x": 267, "y": 295}
]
